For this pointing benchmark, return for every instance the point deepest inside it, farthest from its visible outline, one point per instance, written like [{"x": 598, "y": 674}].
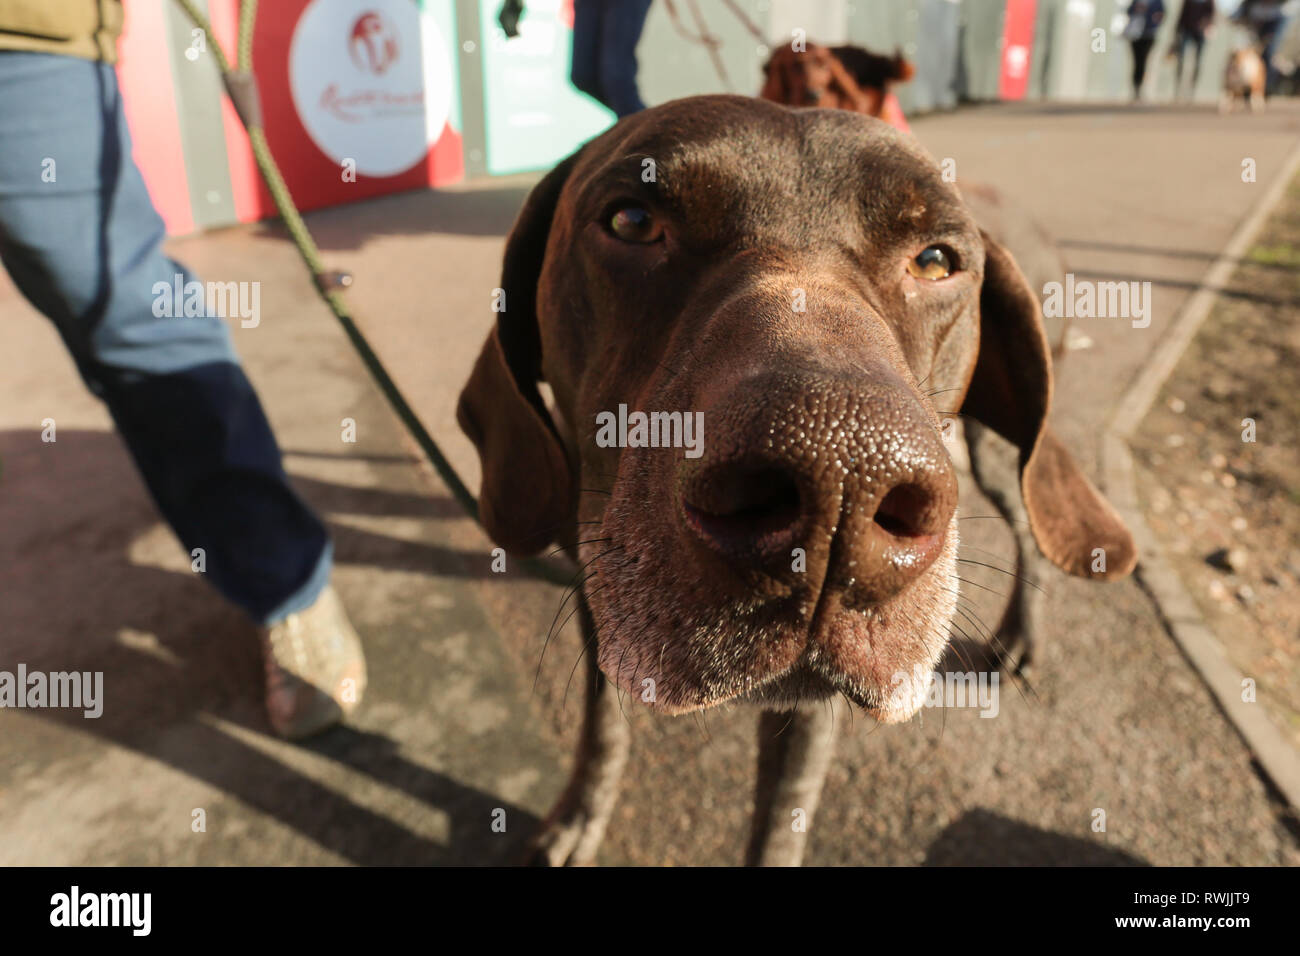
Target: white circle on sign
[
  {"x": 1017, "y": 60},
  {"x": 371, "y": 81}
]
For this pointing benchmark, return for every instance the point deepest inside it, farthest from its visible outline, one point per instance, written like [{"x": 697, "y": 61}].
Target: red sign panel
[{"x": 1017, "y": 48}]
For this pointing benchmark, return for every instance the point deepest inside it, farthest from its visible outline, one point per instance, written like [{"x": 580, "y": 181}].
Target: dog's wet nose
[{"x": 846, "y": 480}]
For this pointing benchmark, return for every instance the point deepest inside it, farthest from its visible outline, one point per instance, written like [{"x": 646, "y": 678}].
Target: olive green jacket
[{"x": 85, "y": 28}]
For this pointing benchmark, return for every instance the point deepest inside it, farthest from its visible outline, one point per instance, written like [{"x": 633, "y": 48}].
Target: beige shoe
[{"x": 315, "y": 669}]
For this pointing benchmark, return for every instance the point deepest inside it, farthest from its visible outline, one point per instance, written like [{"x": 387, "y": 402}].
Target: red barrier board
[
  {"x": 1017, "y": 48},
  {"x": 359, "y": 99}
]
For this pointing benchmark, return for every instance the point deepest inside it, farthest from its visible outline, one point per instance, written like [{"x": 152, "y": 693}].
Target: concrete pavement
[{"x": 453, "y": 728}]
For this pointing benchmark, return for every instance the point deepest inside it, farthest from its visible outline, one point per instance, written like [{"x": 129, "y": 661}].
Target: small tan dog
[{"x": 1244, "y": 79}]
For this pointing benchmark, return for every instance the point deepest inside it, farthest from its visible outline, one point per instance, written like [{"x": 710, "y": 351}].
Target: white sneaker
[{"x": 315, "y": 668}]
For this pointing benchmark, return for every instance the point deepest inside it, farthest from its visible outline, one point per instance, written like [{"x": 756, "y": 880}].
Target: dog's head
[
  {"x": 874, "y": 69},
  {"x": 1245, "y": 71},
  {"x": 816, "y": 77},
  {"x": 805, "y": 284}
]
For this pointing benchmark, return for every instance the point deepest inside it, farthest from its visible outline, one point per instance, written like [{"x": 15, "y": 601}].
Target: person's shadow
[{"x": 185, "y": 686}]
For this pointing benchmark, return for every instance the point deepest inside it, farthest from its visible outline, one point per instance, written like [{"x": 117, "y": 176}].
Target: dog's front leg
[
  {"x": 794, "y": 751},
  {"x": 572, "y": 831}
]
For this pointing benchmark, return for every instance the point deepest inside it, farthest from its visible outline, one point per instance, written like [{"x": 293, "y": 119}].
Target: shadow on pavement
[
  {"x": 422, "y": 212},
  {"x": 1226, "y": 292},
  {"x": 982, "y": 838},
  {"x": 1206, "y": 257},
  {"x": 183, "y": 686}
]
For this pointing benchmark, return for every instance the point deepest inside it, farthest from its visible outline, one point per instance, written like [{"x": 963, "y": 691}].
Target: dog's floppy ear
[
  {"x": 1011, "y": 392},
  {"x": 528, "y": 490},
  {"x": 900, "y": 69},
  {"x": 851, "y": 95},
  {"x": 784, "y": 79}
]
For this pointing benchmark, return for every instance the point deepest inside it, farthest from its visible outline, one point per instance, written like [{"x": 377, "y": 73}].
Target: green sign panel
[{"x": 534, "y": 115}]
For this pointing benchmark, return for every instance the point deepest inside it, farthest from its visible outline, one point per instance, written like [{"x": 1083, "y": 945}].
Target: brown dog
[
  {"x": 842, "y": 77},
  {"x": 807, "y": 283},
  {"x": 1244, "y": 79}
]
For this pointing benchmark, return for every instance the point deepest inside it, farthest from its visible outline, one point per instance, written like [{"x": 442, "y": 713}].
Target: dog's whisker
[
  {"x": 992, "y": 518},
  {"x": 626, "y": 646},
  {"x": 968, "y": 609},
  {"x": 794, "y": 712},
  {"x": 618, "y": 672},
  {"x": 703, "y": 724},
  {"x": 1002, "y": 654},
  {"x": 993, "y": 567},
  {"x": 572, "y": 590},
  {"x": 976, "y": 584},
  {"x": 993, "y": 554},
  {"x": 551, "y": 631},
  {"x": 577, "y": 543},
  {"x": 959, "y": 650},
  {"x": 577, "y": 606},
  {"x": 586, "y": 646},
  {"x": 593, "y": 645}
]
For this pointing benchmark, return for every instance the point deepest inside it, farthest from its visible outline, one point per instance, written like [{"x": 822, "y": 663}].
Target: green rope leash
[{"x": 242, "y": 91}]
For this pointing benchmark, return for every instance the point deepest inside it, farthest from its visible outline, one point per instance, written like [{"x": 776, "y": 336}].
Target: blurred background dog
[{"x": 839, "y": 77}]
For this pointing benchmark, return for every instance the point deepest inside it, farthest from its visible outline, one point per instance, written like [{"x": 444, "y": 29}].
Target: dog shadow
[{"x": 983, "y": 838}]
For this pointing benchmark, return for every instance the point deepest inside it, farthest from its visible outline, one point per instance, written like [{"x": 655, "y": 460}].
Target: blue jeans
[
  {"x": 605, "y": 34},
  {"x": 82, "y": 242}
]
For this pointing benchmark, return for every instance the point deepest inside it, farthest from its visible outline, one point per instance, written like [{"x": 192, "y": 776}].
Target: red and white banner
[{"x": 1017, "y": 48}]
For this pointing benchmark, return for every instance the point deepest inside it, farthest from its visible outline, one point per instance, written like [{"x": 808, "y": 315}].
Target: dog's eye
[
  {"x": 934, "y": 262},
  {"x": 635, "y": 224}
]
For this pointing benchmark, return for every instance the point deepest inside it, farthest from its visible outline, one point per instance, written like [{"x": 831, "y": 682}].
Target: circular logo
[
  {"x": 1017, "y": 61},
  {"x": 371, "y": 81},
  {"x": 373, "y": 44}
]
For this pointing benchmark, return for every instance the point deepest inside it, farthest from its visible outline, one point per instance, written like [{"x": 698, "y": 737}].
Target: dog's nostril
[
  {"x": 904, "y": 511},
  {"x": 743, "y": 508}
]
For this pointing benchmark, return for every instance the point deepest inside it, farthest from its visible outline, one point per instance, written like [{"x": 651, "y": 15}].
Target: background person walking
[{"x": 1144, "y": 19}]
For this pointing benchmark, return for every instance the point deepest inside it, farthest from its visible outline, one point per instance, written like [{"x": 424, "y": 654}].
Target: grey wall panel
[
  {"x": 884, "y": 25},
  {"x": 936, "y": 58},
  {"x": 1109, "y": 68},
  {"x": 671, "y": 66},
  {"x": 980, "y": 60},
  {"x": 1072, "y": 50},
  {"x": 1042, "y": 60},
  {"x": 823, "y": 21}
]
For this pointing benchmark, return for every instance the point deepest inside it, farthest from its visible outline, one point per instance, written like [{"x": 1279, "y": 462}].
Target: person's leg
[
  {"x": 1278, "y": 32},
  {"x": 81, "y": 240},
  {"x": 584, "y": 67},
  {"x": 1198, "y": 45},
  {"x": 1141, "y": 50},
  {"x": 620, "y": 32}
]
